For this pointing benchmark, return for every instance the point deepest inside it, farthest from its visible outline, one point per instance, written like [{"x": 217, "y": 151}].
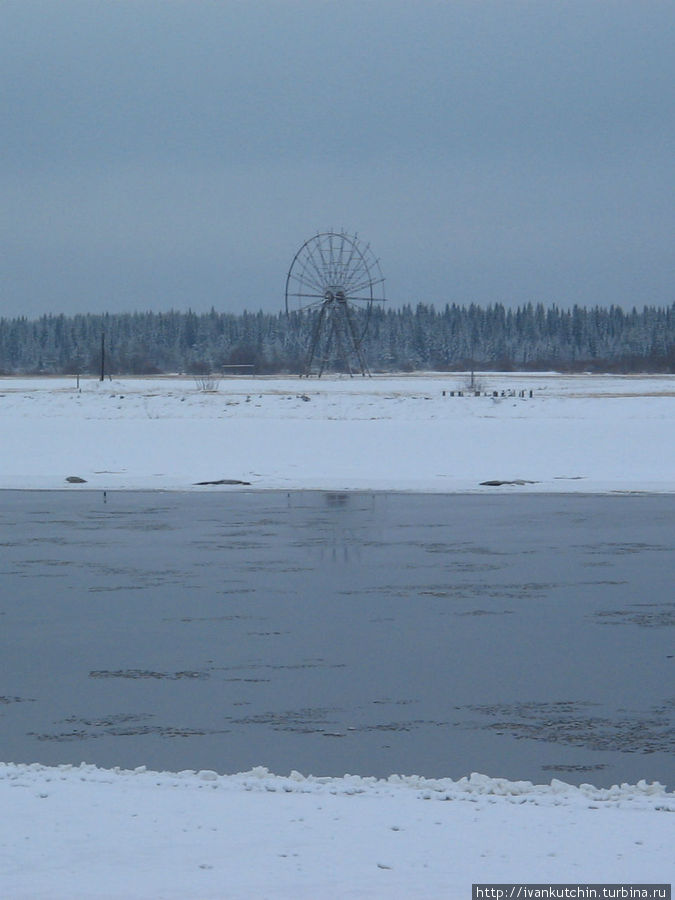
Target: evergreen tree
[{"x": 404, "y": 339}]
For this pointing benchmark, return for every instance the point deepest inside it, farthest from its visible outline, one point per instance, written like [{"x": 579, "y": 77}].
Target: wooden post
[{"x": 102, "y": 355}]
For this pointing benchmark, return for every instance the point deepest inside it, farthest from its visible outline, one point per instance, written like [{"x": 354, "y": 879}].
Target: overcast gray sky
[{"x": 162, "y": 155}]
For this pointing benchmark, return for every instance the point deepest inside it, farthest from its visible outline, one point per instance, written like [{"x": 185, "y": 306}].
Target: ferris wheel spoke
[
  {"x": 324, "y": 264},
  {"x": 308, "y": 282},
  {"x": 311, "y": 269},
  {"x": 305, "y": 307},
  {"x": 360, "y": 263},
  {"x": 358, "y": 280},
  {"x": 335, "y": 251},
  {"x": 331, "y": 259},
  {"x": 358, "y": 275},
  {"x": 300, "y": 295},
  {"x": 339, "y": 268},
  {"x": 346, "y": 264},
  {"x": 337, "y": 258},
  {"x": 317, "y": 280},
  {"x": 369, "y": 276},
  {"x": 319, "y": 268},
  {"x": 308, "y": 267},
  {"x": 367, "y": 282},
  {"x": 346, "y": 267}
]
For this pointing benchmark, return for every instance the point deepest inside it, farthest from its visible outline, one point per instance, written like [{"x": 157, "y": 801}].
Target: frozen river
[{"x": 522, "y": 636}]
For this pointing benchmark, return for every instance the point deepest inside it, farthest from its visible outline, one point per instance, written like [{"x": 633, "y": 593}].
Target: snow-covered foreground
[
  {"x": 93, "y": 833},
  {"x": 89, "y": 833},
  {"x": 582, "y": 433}
]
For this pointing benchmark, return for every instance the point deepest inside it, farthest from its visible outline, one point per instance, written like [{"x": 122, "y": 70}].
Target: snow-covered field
[
  {"x": 582, "y": 433},
  {"x": 81, "y": 832},
  {"x": 91, "y": 833}
]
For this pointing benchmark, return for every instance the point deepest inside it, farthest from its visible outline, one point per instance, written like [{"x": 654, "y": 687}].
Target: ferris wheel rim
[{"x": 323, "y": 270}]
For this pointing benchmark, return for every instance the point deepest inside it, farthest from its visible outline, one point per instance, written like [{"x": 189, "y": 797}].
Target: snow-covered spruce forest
[{"x": 533, "y": 337}]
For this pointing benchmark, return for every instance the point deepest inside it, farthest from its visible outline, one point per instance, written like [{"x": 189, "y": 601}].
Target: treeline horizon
[{"x": 533, "y": 337}]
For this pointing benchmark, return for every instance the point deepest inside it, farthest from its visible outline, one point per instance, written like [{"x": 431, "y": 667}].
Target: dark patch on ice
[
  {"x": 462, "y": 591},
  {"x": 645, "y": 615},
  {"x": 144, "y": 526},
  {"x": 305, "y": 664},
  {"x": 486, "y": 612},
  {"x": 310, "y": 720},
  {"x": 242, "y": 680},
  {"x": 516, "y": 481},
  {"x": 266, "y": 633},
  {"x": 59, "y": 541},
  {"x": 618, "y": 548},
  {"x": 147, "y": 673},
  {"x": 409, "y": 725},
  {"x": 389, "y": 701},
  {"x": 570, "y": 723},
  {"x": 121, "y": 725},
  {"x": 232, "y": 618},
  {"x": 221, "y": 481},
  {"x": 62, "y": 736},
  {"x": 469, "y": 590}
]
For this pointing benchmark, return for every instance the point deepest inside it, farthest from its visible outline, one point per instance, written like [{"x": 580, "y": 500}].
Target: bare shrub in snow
[{"x": 208, "y": 384}]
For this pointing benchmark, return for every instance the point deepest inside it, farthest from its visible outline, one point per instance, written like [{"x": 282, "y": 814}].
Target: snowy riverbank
[
  {"x": 575, "y": 433},
  {"x": 82, "y": 832}
]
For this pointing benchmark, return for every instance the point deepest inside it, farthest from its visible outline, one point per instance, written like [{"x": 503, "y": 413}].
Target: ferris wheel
[{"x": 335, "y": 279}]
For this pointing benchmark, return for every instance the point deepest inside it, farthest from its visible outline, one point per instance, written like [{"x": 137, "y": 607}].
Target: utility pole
[
  {"x": 473, "y": 350},
  {"x": 102, "y": 355}
]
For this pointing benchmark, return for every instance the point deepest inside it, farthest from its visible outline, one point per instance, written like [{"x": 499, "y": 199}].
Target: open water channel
[{"x": 524, "y": 636}]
